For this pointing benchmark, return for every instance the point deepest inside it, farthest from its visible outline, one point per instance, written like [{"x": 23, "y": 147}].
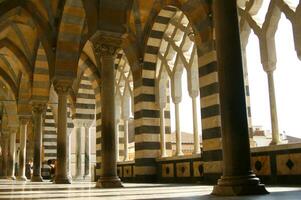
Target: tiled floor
[{"x": 87, "y": 191}]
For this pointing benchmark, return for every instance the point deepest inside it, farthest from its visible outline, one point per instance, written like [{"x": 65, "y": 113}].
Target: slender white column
[
  {"x": 22, "y": 156},
  {"x": 126, "y": 139},
  {"x": 79, "y": 173},
  {"x": 197, "y": 149},
  {"x": 162, "y": 132},
  {"x": 12, "y": 153},
  {"x": 87, "y": 175},
  {"x": 179, "y": 151},
  {"x": 117, "y": 140},
  {"x": 273, "y": 110}
]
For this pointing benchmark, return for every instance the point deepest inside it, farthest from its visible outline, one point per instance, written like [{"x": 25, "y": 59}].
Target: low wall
[{"x": 279, "y": 164}]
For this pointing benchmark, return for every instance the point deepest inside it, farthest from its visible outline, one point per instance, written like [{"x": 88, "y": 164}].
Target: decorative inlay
[
  {"x": 258, "y": 165},
  {"x": 290, "y": 164}
]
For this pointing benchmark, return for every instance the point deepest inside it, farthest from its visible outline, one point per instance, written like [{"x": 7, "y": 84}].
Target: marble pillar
[
  {"x": 5, "y": 150},
  {"x": 106, "y": 51},
  {"x": 197, "y": 149},
  {"x": 38, "y": 110},
  {"x": 79, "y": 172},
  {"x": 162, "y": 132},
  {"x": 62, "y": 175},
  {"x": 273, "y": 110},
  {"x": 237, "y": 178},
  {"x": 22, "y": 156},
  {"x": 87, "y": 173},
  {"x": 12, "y": 154},
  {"x": 179, "y": 151}
]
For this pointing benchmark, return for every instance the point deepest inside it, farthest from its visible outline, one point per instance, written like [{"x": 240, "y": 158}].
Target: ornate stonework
[
  {"x": 38, "y": 108},
  {"x": 107, "y": 43}
]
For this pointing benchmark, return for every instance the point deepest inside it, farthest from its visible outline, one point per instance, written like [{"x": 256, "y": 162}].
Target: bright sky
[
  {"x": 287, "y": 85},
  {"x": 287, "y": 82}
]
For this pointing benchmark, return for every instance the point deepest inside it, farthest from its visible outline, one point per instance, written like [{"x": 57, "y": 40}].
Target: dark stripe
[
  {"x": 145, "y": 97},
  {"x": 147, "y": 113},
  {"x": 209, "y": 90},
  {"x": 145, "y": 162},
  {"x": 210, "y": 111},
  {"x": 208, "y": 69},
  {"x": 85, "y": 106},
  {"x": 147, "y": 146},
  {"x": 213, "y": 155},
  {"x": 211, "y": 133}
]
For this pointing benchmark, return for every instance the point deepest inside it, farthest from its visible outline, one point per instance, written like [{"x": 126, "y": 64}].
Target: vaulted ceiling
[{"x": 41, "y": 40}]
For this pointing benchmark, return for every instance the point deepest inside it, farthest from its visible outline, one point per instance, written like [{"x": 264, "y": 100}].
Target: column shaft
[
  {"x": 162, "y": 133},
  {"x": 87, "y": 154},
  {"x": 126, "y": 139},
  {"x": 109, "y": 178},
  {"x": 273, "y": 110},
  {"x": 62, "y": 169},
  {"x": 238, "y": 178},
  {"x": 79, "y": 174},
  {"x": 22, "y": 157},
  {"x": 117, "y": 140},
  {"x": 5, "y": 150},
  {"x": 197, "y": 149},
  {"x": 12, "y": 155},
  {"x": 179, "y": 151},
  {"x": 38, "y": 110}
]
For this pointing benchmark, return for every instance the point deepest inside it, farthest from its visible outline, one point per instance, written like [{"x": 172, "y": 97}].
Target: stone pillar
[
  {"x": 105, "y": 48},
  {"x": 176, "y": 95},
  {"x": 79, "y": 173},
  {"x": 237, "y": 178},
  {"x": 62, "y": 169},
  {"x": 87, "y": 175},
  {"x": 273, "y": 110},
  {"x": 197, "y": 149},
  {"x": 37, "y": 109},
  {"x": 126, "y": 139},
  {"x": 5, "y": 150},
  {"x": 179, "y": 151},
  {"x": 162, "y": 132},
  {"x": 12, "y": 154},
  {"x": 22, "y": 157}
]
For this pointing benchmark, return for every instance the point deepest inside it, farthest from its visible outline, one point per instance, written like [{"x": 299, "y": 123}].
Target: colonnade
[{"x": 237, "y": 179}]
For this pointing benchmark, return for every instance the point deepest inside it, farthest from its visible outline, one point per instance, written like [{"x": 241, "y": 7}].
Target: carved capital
[
  {"x": 38, "y": 108},
  {"x": 107, "y": 43},
  {"x": 103, "y": 49},
  {"x": 24, "y": 120},
  {"x": 62, "y": 87}
]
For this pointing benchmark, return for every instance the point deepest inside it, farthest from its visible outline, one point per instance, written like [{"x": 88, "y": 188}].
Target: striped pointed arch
[
  {"x": 41, "y": 80},
  {"x": 147, "y": 111},
  {"x": 88, "y": 70},
  {"x": 69, "y": 39}
]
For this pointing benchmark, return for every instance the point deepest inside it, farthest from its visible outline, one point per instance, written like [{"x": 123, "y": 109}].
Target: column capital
[
  {"x": 24, "y": 119},
  {"x": 62, "y": 86},
  {"x": 38, "y": 107},
  {"x": 107, "y": 43}
]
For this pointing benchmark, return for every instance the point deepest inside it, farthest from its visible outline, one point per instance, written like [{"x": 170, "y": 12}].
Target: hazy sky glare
[{"x": 287, "y": 82}]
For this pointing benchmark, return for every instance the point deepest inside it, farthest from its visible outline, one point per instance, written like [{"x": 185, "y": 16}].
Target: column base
[
  {"x": 36, "y": 179},
  {"x": 12, "y": 178},
  {"x": 22, "y": 178},
  {"x": 78, "y": 178},
  {"x": 109, "y": 182},
  {"x": 87, "y": 177},
  {"x": 237, "y": 186},
  {"x": 62, "y": 180}
]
